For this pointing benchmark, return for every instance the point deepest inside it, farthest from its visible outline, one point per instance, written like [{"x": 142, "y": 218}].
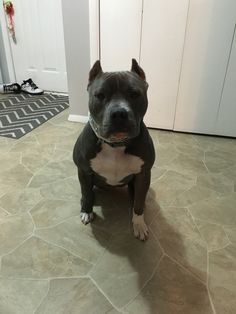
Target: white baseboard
[{"x": 78, "y": 118}]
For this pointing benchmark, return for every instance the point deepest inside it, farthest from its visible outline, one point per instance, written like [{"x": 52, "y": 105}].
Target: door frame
[
  {"x": 7, "y": 46},
  {"x": 94, "y": 30}
]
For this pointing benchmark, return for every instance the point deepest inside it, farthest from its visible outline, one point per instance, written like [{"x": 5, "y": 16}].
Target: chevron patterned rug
[{"x": 20, "y": 114}]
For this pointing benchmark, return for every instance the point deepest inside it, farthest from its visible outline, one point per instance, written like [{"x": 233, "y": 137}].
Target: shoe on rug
[
  {"x": 10, "y": 88},
  {"x": 30, "y": 87}
]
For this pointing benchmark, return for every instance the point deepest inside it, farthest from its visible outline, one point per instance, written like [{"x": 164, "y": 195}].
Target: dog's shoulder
[{"x": 86, "y": 146}]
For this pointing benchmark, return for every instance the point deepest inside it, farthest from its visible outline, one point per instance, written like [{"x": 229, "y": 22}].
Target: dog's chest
[{"x": 114, "y": 164}]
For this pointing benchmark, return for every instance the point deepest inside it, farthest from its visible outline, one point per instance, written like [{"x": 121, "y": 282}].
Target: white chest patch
[{"x": 114, "y": 165}]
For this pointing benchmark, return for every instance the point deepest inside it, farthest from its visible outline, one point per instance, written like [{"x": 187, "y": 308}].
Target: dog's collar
[{"x": 95, "y": 129}]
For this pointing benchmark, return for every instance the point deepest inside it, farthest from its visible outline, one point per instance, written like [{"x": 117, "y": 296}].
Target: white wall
[
  {"x": 77, "y": 48},
  {"x": 4, "y": 75}
]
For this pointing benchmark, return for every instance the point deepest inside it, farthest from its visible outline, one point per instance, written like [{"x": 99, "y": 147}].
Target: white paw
[
  {"x": 86, "y": 218},
  {"x": 140, "y": 228}
]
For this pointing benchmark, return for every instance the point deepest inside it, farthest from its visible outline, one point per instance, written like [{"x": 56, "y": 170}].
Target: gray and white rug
[{"x": 21, "y": 113}]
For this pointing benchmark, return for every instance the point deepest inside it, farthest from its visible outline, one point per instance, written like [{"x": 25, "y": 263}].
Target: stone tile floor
[{"x": 51, "y": 263}]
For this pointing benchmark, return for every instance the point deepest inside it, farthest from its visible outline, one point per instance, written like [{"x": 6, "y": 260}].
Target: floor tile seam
[
  {"x": 183, "y": 191},
  {"x": 207, "y": 285},
  {"x": 65, "y": 220},
  {"x": 152, "y": 182},
  {"x": 186, "y": 269},
  {"x": 46, "y": 184},
  {"x": 157, "y": 240},
  {"x": 62, "y": 150},
  {"x": 17, "y": 215},
  {"x": 210, "y": 221},
  {"x": 3, "y": 209},
  {"x": 32, "y": 220},
  {"x": 21, "y": 212},
  {"x": 62, "y": 248},
  {"x": 219, "y": 249},
  {"x": 23, "y": 278},
  {"x": 222, "y": 170},
  {"x": 226, "y": 233},
  {"x": 5, "y": 192},
  {"x": 27, "y": 168},
  {"x": 21, "y": 156},
  {"x": 55, "y": 225},
  {"x": 50, "y": 198},
  {"x": 204, "y": 163},
  {"x": 102, "y": 254},
  {"x": 153, "y": 218},
  {"x": 15, "y": 248},
  {"x": 196, "y": 225},
  {"x": 103, "y": 293},
  {"x": 36, "y": 172},
  {"x": 69, "y": 132},
  {"x": 19, "y": 140},
  {"x": 43, "y": 298},
  {"x": 146, "y": 282},
  {"x": 32, "y": 207},
  {"x": 213, "y": 223}
]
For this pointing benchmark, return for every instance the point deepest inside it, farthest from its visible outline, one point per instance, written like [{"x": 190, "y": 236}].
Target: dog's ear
[
  {"x": 96, "y": 69},
  {"x": 136, "y": 69}
]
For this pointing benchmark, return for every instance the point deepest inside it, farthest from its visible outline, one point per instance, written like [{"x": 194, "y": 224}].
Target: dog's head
[{"x": 117, "y": 102}]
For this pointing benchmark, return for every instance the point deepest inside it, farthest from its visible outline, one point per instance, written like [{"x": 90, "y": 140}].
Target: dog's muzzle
[{"x": 112, "y": 140}]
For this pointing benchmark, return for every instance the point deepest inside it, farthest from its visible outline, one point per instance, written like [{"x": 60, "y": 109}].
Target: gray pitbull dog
[{"x": 115, "y": 148}]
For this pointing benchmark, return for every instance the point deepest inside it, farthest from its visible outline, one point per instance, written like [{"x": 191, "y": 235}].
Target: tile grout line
[
  {"x": 49, "y": 183},
  {"x": 19, "y": 245},
  {"x": 32, "y": 220},
  {"x": 221, "y": 248},
  {"x": 27, "y": 168},
  {"x": 62, "y": 248},
  {"x": 204, "y": 162},
  {"x": 227, "y": 236},
  {"x": 34, "y": 174},
  {"x": 44, "y": 298},
  {"x": 165, "y": 170},
  {"x": 156, "y": 238},
  {"x": 207, "y": 270},
  {"x": 186, "y": 269},
  {"x": 6, "y": 211},
  {"x": 21, "y": 156},
  {"x": 146, "y": 282},
  {"x": 101, "y": 291},
  {"x": 44, "y": 279},
  {"x": 208, "y": 290},
  {"x": 57, "y": 224},
  {"x": 101, "y": 256}
]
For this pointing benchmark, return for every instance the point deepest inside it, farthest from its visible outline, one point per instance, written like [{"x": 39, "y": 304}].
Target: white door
[
  {"x": 209, "y": 35},
  {"x": 120, "y": 33},
  {"x": 163, "y": 30},
  {"x": 39, "y": 52},
  {"x": 226, "y": 120}
]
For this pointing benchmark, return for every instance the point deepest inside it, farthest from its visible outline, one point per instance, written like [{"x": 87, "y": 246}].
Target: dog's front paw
[
  {"x": 140, "y": 228},
  {"x": 86, "y": 217}
]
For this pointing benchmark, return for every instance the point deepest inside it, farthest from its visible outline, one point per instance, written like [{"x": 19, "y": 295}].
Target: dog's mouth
[
  {"x": 119, "y": 136},
  {"x": 105, "y": 133}
]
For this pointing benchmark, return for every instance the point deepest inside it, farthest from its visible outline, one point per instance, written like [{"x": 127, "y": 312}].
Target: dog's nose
[{"x": 119, "y": 114}]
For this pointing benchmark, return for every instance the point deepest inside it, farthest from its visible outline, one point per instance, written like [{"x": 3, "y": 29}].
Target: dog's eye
[
  {"x": 134, "y": 94},
  {"x": 99, "y": 95}
]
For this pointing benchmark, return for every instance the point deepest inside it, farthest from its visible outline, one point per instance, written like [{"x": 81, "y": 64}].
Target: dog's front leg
[
  {"x": 141, "y": 186},
  {"x": 87, "y": 200}
]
